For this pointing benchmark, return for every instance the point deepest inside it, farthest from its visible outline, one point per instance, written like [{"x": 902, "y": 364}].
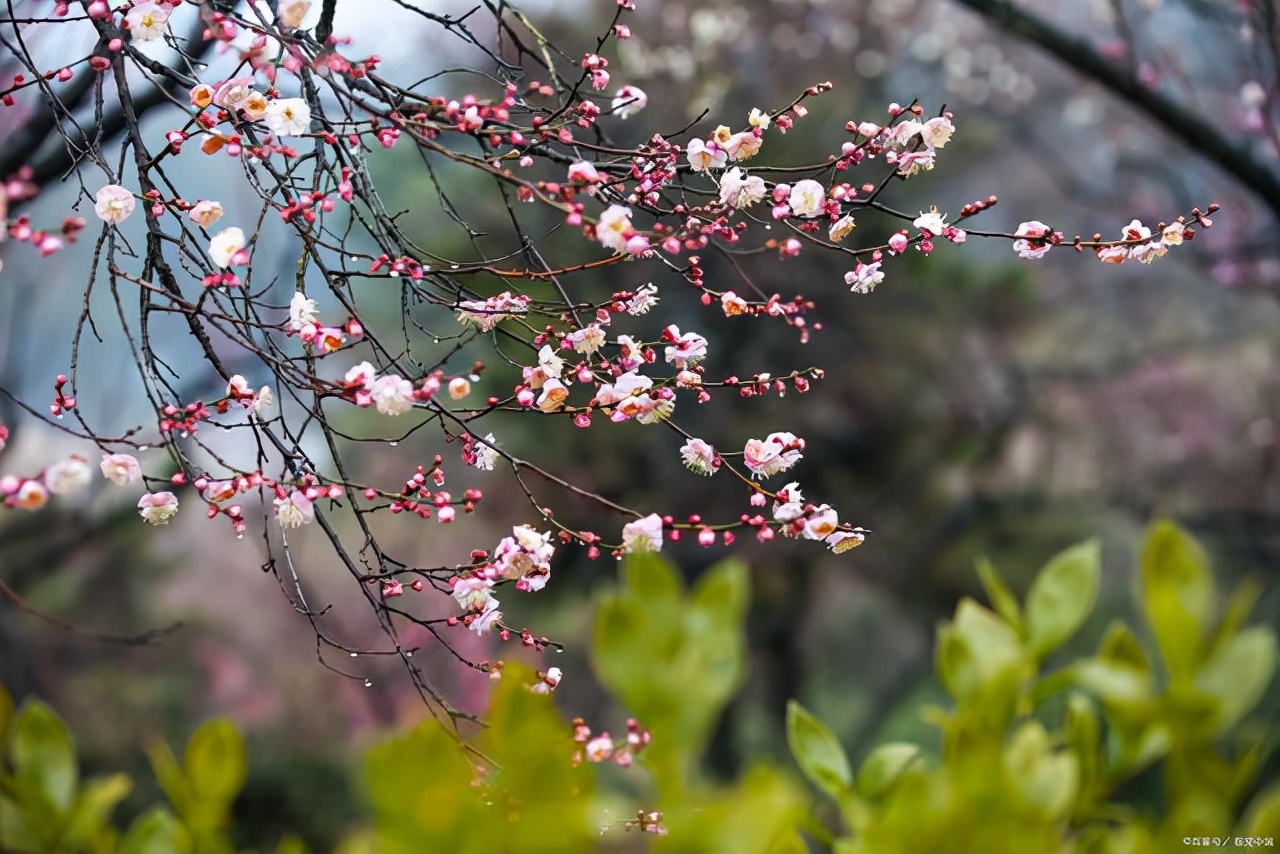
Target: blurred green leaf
[
  {"x": 817, "y": 751},
  {"x": 173, "y": 782},
  {"x": 1046, "y": 779},
  {"x": 156, "y": 831},
  {"x": 1005, "y": 603},
  {"x": 6, "y": 715},
  {"x": 883, "y": 766},
  {"x": 93, "y": 806},
  {"x": 1263, "y": 816},
  {"x": 215, "y": 763},
  {"x": 1239, "y": 673},
  {"x": 43, "y": 753},
  {"x": 1062, "y": 596},
  {"x": 979, "y": 658},
  {"x": 292, "y": 845},
  {"x": 1179, "y": 596}
]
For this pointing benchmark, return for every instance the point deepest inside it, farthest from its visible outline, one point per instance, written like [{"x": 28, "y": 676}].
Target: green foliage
[
  {"x": 1033, "y": 762},
  {"x": 46, "y": 809},
  {"x": 510, "y": 789},
  {"x": 675, "y": 659}
]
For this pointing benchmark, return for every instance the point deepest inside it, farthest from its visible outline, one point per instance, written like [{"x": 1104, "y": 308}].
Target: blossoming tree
[{"x": 546, "y": 321}]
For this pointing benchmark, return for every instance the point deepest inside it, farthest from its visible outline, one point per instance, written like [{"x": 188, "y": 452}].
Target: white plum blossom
[
  {"x": 486, "y": 454},
  {"x": 147, "y": 20},
  {"x": 486, "y": 619},
  {"x": 758, "y": 119},
  {"x": 113, "y": 203},
  {"x": 291, "y": 13},
  {"x": 626, "y": 385},
  {"x": 486, "y": 313},
  {"x": 225, "y": 245},
  {"x": 157, "y": 508},
  {"x": 646, "y": 298},
  {"x": 776, "y": 453},
  {"x": 302, "y": 311},
  {"x": 525, "y": 556},
  {"x": 392, "y": 394},
  {"x": 295, "y": 510},
  {"x": 937, "y": 132},
  {"x": 31, "y": 495},
  {"x": 699, "y": 457},
  {"x": 841, "y": 228},
  {"x": 933, "y": 222},
  {"x": 288, "y": 117},
  {"x": 69, "y": 476},
  {"x": 121, "y": 469},
  {"x": 821, "y": 523},
  {"x": 587, "y": 340},
  {"x": 739, "y": 190},
  {"x": 554, "y": 394},
  {"x": 614, "y": 228},
  {"x": 687, "y": 349},
  {"x": 472, "y": 593},
  {"x": 703, "y": 156},
  {"x": 205, "y": 212},
  {"x": 551, "y": 364},
  {"x": 643, "y": 535},
  {"x": 863, "y": 278},
  {"x": 1024, "y": 247},
  {"x": 629, "y": 100},
  {"x": 807, "y": 198}
]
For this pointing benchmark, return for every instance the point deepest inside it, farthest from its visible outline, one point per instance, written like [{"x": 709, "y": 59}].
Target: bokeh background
[{"x": 975, "y": 404}]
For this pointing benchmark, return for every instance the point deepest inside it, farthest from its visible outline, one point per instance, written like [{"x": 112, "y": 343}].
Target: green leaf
[
  {"x": 1262, "y": 819},
  {"x": 156, "y": 831},
  {"x": 1083, "y": 735},
  {"x": 817, "y": 751},
  {"x": 979, "y": 658},
  {"x": 651, "y": 577},
  {"x": 43, "y": 753},
  {"x": 94, "y": 803},
  {"x": 170, "y": 777},
  {"x": 1238, "y": 674},
  {"x": 6, "y": 715},
  {"x": 215, "y": 763},
  {"x": 1179, "y": 596},
  {"x": 292, "y": 844},
  {"x": 1045, "y": 779},
  {"x": 1005, "y": 603},
  {"x": 1062, "y": 596},
  {"x": 883, "y": 766}
]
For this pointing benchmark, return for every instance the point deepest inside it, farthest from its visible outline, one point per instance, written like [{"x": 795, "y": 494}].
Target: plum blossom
[
  {"x": 472, "y": 593},
  {"x": 525, "y": 556},
  {"x": 225, "y": 246},
  {"x": 302, "y": 311},
  {"x": 554, "y": 394},
  {"x": 643, "y": 535},
  {"x": 487, "y": 313},
  {"x": 486, "y": 619},
  {"x": 703, "y": 156},
  {"x": 863, "y": 278},
  {"x": 205, "y": 213},
  {"x": 937, "y": 132},
  {"x": 147, "y": 20},
  {"x": 295, "y": 510},
  {"x": 732, "y": 304},
  {"x": 806, "y": 198},
  {"x": 1172, "y": 234},
  {"x": 121, "y": 469},
  {"x": 551, "y": 364},
  {"x": 932, "y": 222},
  {"x": 31, "y": 495},
  {"x": 841, "y": 228},
  {"x": 157, "y": 508},
  {"x": 699, "y": 457},
  {"x": 646, "y": 297},
  {"x": 392, "y": 394},
  {"x": 776, "y": 453},
  {"x": 614, "y": 228},
  {"x": 486, "y": 454},
  {"x": 626, "y": 385},
  {"x": 288, "y": 117},
  {"x": 113, "y": 203},
  {"x": 629, "y": 100},
  {"x": 230, "y": 94},
  {"x": 69, "y": 476},
  {"x": 739, "y": 190},
  {"x": 548, "y": 683},
  {"x": 587, "y": 340},
  {"x": 758, "y": 119},
  {"x": 821, "y": 523},
  {"x": 291, "y": 13},
  {"x": 598, "y": 749},
  {"x": 1033, "y": 229},
  {"x": 687, "y": 349}
]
